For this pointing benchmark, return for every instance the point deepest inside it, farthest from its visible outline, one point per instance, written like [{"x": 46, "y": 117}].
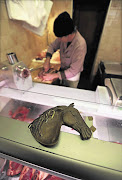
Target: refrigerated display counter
[{"x": 100, "y": 157}]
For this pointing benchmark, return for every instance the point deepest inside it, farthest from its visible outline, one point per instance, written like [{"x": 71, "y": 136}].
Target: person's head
[{"x": 63, "y": 27}]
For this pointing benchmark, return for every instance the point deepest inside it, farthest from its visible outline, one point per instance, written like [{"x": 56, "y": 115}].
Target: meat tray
[{"x": 34, "y": 109}]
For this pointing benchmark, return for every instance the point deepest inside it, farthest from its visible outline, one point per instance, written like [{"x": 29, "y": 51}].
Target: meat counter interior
[
  {"x": 70, "y": 157},
  {"x": 11, "y": 170}
]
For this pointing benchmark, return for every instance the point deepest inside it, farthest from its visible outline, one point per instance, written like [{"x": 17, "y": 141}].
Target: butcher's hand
[
  {"x": 50, "y": 77},
  {"x": 46, "y": 64}
]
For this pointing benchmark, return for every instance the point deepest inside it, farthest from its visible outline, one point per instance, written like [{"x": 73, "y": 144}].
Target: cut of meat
[
  {"x": 14, "y": 168},
  {"x": 21, "y": 114},
  {"x": 39, "y": 175},
  {"x": 27, "y": 173}
]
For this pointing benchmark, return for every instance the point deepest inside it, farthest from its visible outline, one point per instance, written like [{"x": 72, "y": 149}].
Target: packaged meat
[
  {"x": 33, "y": 174},
  {"x": 39, "y": 175},
  {"x": 14, "y": 168},
  {"x": 54, "y": 178},
  {"x": 27, "y": 173}
]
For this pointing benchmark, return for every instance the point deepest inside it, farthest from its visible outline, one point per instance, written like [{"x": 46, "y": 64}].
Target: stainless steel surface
[
  {"x": 22, "y": 82},
  {"x": 117, "y": 85},
  {"x": 113, "y": 68},
  {"x": 17, "y": 75},
  {"x": 108, "y": 129},
  {"x": 22, "y": 71},
  {"x": 110, "y": 94},
  {"x": 111, "y": 91},
  {"x": 114, "y": 86},
  {"x": 12, "y": 58}
]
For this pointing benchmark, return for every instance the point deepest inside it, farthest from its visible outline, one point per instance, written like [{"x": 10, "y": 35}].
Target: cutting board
[{"x": 35, "y": 64}]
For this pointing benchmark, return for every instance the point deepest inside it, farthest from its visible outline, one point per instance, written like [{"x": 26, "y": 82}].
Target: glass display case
[{"x": 100, "y": 157}]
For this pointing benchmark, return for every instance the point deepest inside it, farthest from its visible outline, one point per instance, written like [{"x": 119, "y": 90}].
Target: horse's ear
[
  {"x": 68, "y": 108},
  {"x": 71, "y": 105}
]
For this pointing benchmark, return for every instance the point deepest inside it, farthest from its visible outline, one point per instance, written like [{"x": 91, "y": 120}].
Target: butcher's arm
[
  {"x": 53, "y": 47},
  {"x": 47, "y": 64}
]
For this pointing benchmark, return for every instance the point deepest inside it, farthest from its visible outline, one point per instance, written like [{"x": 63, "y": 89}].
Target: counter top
[
  {"x": 39, "y": 63},
  {"x": 71, "y": 156}
]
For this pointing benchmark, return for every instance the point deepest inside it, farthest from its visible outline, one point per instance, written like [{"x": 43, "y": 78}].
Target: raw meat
[
  {"x": 41, "y": 55},
  {"x": 21, "y": 114},
  {"x": 39, "y": 175},
  {"x": 54, "y": 178},
  {"x": 14, "y": 168},
  {"x": 27, "y": 173}
]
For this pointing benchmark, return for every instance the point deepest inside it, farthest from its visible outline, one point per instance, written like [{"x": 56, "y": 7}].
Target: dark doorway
[{"x": 89, "y": 17}]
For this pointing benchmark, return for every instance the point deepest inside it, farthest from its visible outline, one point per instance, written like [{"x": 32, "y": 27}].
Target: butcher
[{"x": 72, "y": 47}]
